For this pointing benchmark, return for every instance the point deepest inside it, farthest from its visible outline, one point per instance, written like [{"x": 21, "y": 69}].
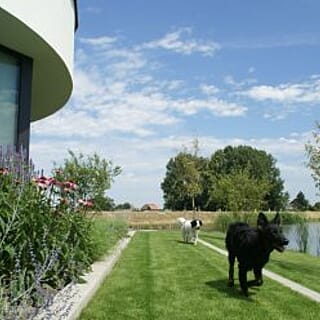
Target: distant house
[{"x": 150, "y": 206}]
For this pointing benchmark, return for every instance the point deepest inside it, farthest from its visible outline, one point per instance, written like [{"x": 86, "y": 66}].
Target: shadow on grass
[
  {"x": 233, "y": 292},
  {"x": 186, "y": 243}
]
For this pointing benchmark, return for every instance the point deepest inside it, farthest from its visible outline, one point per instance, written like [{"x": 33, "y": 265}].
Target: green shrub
[
  {"x": 45, "y": 235},
  {"x": 292, "y": 218},
  {"x": 223, "y": 220}
]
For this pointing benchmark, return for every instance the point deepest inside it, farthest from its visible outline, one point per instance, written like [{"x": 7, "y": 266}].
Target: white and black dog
[{"x": 190, "y": 229}]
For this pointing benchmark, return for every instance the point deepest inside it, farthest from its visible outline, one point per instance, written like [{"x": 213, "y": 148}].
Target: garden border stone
[{"x": 70, "y": 301}]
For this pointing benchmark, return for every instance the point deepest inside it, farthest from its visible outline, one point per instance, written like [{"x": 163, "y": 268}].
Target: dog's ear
[
  {"x": 262, "y": 220},
  {"x": 276, "y": 219}
]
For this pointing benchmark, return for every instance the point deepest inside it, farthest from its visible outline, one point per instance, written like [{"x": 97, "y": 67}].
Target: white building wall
[
  {"x": 53, "y": 20},
  {"x": 43, "y": 30}
]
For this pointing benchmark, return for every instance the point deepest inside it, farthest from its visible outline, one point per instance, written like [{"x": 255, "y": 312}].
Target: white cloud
[
  {"x": 99, "y": 41},
  {"x": 230, "y": 81},
  {"x": 209, "y": 89},
  {"x": 306, "y": 92},
  {"x": 216, "y": 106},
  {"x": 281, "y": 93},
  {"x": 116, "y": 90},
  {"x": 178, "y": 41},
  {"x": 278, "y": 101}
]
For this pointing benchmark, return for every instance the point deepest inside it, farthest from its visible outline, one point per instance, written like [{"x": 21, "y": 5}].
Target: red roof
[{"x": 150, "y": 206}]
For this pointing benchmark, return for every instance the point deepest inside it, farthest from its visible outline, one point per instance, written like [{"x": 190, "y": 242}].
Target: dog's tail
[{"x": 181, "y": 221}]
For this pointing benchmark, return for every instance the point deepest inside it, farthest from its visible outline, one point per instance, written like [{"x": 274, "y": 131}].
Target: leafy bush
[
  {"x": 223, "y": 220},
  {"x": 94, "y": 176},
  {"x": 292, "y": 218},
  {"x": 45, "y": 235}
]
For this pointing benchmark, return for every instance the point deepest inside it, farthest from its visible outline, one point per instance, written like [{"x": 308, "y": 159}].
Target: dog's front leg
[
  {"x": 243, "y": 280},
  {"x": 231, "y": 259},
  {"x": 258, "y": 276},
  {"x": 195, "y": 237}
]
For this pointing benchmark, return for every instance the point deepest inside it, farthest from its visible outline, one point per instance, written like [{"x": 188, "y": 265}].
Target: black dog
[{"x": 252, "y": 248}]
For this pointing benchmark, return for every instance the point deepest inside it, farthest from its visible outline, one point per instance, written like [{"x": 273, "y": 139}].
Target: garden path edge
[{"x": 71, "y": 300}]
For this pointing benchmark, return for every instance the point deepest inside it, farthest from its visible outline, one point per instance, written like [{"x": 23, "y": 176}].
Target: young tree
[
  {"x": 92, "y": 174},
  {"x": 313, "y": 152}
]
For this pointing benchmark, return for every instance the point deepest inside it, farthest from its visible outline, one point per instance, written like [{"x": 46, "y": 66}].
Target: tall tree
[
  {"x": 182, "y": 183},
  {"x": 257, "y": 164}
]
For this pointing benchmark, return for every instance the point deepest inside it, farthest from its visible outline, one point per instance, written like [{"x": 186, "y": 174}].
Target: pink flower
[
  {"x": 70, "y": 185},
  {"x": 44, "y": 182},
  {"x": 41, "y": 182},
  {"x": 86, "y": 203},
  {"x": 4, "y": 171}
]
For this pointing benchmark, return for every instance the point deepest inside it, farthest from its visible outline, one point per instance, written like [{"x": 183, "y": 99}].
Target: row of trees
[
  {"x": 233, "y": 178},
  {"x": 301, "y": 203}
]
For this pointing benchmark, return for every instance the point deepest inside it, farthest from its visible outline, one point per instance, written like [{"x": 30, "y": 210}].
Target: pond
[{"x": 304, "y": 237}]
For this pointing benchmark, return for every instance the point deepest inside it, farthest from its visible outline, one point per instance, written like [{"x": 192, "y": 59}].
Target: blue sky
[{"x": 152, "y": 76}]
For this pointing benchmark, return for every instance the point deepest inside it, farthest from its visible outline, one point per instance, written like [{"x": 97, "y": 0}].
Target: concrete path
[
  {"x": 311, "y": 294},
  {"x": 70, "y": 301}
]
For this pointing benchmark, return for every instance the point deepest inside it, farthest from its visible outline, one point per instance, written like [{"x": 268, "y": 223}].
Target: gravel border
[
  {"x": 71, "y": 300},
  {"x": 311, "y": 294}
]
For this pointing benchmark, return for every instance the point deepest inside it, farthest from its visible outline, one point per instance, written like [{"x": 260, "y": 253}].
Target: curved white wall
[{"x": 44, "y": 31}]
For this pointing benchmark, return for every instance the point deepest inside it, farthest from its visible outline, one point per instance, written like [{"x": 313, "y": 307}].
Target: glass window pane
[{"x": 9, "y": 98}]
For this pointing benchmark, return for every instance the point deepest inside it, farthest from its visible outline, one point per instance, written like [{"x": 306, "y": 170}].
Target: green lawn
[
  {"x": 159, "y": 277},
  {"x": 296, "y": 266}
]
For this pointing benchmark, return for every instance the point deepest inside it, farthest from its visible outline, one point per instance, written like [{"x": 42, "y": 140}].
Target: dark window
[{"x": 15, "y": 99}]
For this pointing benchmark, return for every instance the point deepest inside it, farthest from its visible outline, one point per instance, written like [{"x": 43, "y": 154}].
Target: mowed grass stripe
[
  {"x": 299, "y": 267},
  {"x": 159, "y": 277}
]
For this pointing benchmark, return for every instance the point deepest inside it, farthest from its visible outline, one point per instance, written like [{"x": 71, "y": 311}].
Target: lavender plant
[{"x": 45, "y": 239}]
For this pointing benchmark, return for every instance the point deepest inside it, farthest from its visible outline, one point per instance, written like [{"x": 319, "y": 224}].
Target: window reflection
[{"x": 9, "y": 98}]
